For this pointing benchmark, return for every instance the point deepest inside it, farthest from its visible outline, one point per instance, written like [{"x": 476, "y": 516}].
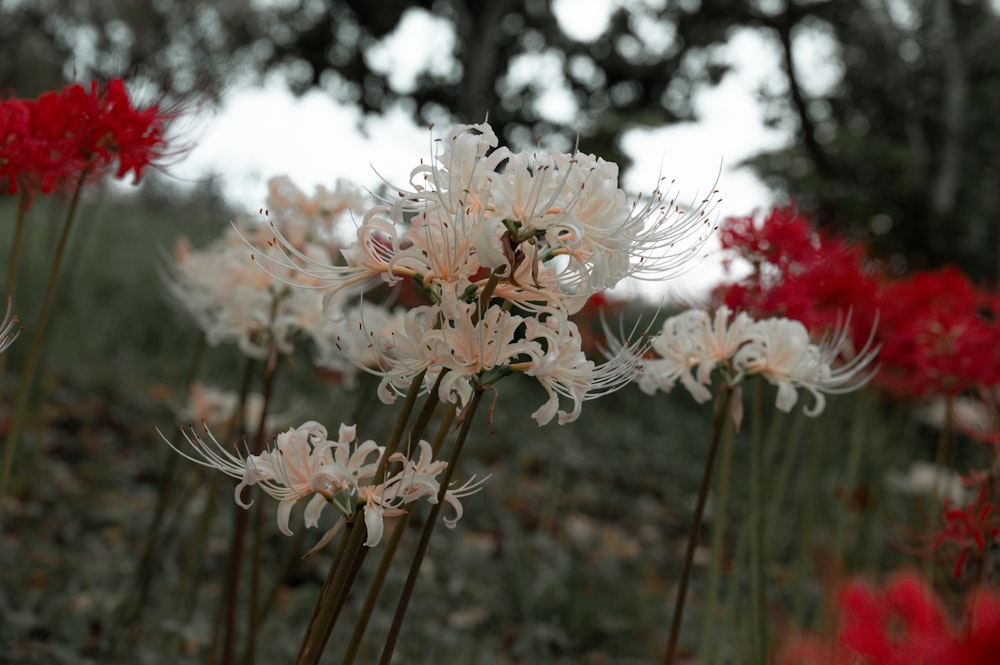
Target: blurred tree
[
  {"x": 901, "y": 146},
  {"x": 898, "y": 144}
]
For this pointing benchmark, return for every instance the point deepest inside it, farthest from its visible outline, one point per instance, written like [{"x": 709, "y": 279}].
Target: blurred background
[{"x": 878, "y": 116}]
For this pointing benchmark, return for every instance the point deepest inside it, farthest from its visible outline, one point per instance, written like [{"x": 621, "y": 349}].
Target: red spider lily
[
  {"x": 902, "y": 624},
  {"x": 800, "y": 273},
  {"x": 940, "y": 335},
  {"x": 974, "y": 527},
  {"x": 784, "y": 239},
  {"x": 51, "y": 141}
]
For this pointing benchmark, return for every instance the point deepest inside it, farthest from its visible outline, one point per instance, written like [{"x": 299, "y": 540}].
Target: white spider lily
[
  {"x": 780, "y": 351},
  {"x": 694, "y": 344},
  {"x": 690, "y": 346},
  {"x": 556, "y": 227},
  {"x": 303, "y": 463}
]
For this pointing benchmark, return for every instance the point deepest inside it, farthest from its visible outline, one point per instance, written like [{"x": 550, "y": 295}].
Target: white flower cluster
[
  {"x": 303, "y": 462},
  {"x": 234, "y": 301},
  {"x": 506, "y": 246},
  {"x": 694, "y": 344},
  {"x": 556, "y": 226}
]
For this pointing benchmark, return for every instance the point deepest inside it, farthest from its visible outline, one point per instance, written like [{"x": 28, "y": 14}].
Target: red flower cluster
[
  {"x": 939, "y": 334},
  {"x": 902, "y": 624},
  {"x": 974, "y": 527},
  {"x": 800, "y": 273},
  {"x": 54, "y": 140}
]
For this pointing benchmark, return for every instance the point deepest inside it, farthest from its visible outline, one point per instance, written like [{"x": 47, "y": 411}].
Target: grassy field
[{"x": 113, "y": 549}]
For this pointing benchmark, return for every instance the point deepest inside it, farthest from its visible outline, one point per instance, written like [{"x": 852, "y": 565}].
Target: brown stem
[
  {"x": 387, "y": 556},
  {"x": 343, "y": 570},
  {"x": 338, "y": 582},
  {"x": 718, "y": 422},
  {"x": 425, "y": 536}
]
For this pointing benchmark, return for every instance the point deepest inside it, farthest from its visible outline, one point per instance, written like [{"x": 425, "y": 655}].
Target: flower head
[
  {"x": 303, "y": 463},
  {"x": 505, "y": 246},
  {"x": 79, "y": 132},
  {"x": 554, "y": 227},
  {"x": 973, "y": 527},
  {"x": 694, "y": 345},
  {"x": 224, "y": 289}
]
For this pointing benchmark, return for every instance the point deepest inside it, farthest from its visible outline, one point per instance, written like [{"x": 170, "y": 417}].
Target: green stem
[
  {"x": 758, "y": 593},
  {"x": 425, "y": 536},
  {"x": 810, "y": 490},
  {"x": 254, "y": 616},
  {"x": 225, "y": 615},
  {"x": 28, "y": 373},
  {"x": 487, "y": 294},
  {"x": 872, "y": 543},
  {"x": 787, "y": 465},
  {"x": 718, "y": 424},
  {"x": 710, "y": 627},
  {"x": 129, "y": 612}
]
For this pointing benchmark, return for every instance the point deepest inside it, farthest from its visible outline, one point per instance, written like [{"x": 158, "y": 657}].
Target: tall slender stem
[
  {"x": 718, "y": 422},
  {"x": 28, "y": 373},
  {"x": 719, "y": 519},
  {"x": 758, "y": 594},
  {"x": 332, "y": 595},
  {"x": 425, "y": 536},
  {"x": 270, "y": 372},
  {"x": 128, "y": 613},
  {"x": 387, "y": 556},
  {"x": 810, "y": 490},
  {"x": 339, "y": 579},
  {"x": 859, "y": 443}
]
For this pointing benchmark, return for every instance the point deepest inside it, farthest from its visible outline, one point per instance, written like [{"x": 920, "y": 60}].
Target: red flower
[
  {"x": 800, "y": 273},
  {"x": 902, "y": 624},
  {"x": 974, "y": 527},
  {"x": 940, "y": 335},
  {"x": 53, "y": 140}
]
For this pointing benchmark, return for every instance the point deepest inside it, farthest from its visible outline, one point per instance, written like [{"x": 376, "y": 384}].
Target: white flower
[
  {"x": 780, "y": 350},
  {"x": 690, "y": 347},
  {"x": 234, "y": 300},
  {"x": 555, "y": 227},
  {"x": 303, "y": 463},
  {"x": 924, "y": 479},
  {"x": 215, "y": 407},
  {"x": 564, "y": 370},
  {"x": 693, "y": 345}
]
